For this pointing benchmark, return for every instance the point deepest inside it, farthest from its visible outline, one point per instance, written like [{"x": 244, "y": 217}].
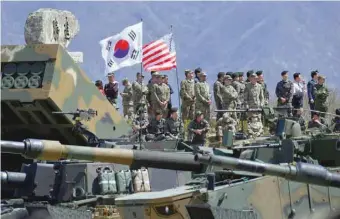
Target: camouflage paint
[
  {"x": 65, "y": 85},
  {"x": 267, "y": 197}
]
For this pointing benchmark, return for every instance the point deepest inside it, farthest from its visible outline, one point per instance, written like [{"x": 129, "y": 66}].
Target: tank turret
[
  {"x": 302, "y": 172},
  {"x": 54, "y": 151}
]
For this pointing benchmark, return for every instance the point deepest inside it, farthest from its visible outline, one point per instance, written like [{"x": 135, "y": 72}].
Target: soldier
[
  {"x": 310, "y": 89},
  {"x": 321, "y": 95},
  {"x": 127, "y": 99},
  {"x": 250, "y": 72},
  {"x": 253, "y": 98},
  {"x": 111, "y": 89},
  {"x": 198, "y": 129},
  {"x": 166, "y": 82},
  {"x": 284, "y": 92},
  {"x": 172, "y": 125},
  {"x": 255, "y": 127},
  {"x": 237, "y": 85},
  {"x": 160, "y": 95},
  {"x": 140, "y": 124},
  {"x": 336, "y": 121},
  {"x": 156, "y": 127},
  {"x": 317, "y": 122},
  {"x": 197, "y": 74},
  {"x": 187, "y": 94},
  {"x": 202, "y": 93},
  {"x": 99, "y": 85},
  {"x": 260, "y": 80},
  {"x": 226, "y": 122},
  {"x": 229, "y": 95},
  {"x": 241, "y": 79},
  {"x": 218, "y": 85},
  {"x": 140, "y": 92},
  {"x": 152, "y": 81}
]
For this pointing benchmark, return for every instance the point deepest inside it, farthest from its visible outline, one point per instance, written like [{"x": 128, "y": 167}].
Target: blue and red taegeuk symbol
[{"x": 121, "y": 49}]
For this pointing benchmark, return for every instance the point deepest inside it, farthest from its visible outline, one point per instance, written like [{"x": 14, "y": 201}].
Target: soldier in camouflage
[
  {"x": 172, "y": 127},
  {"x": 139, "y": 125},
  {"x": 260, "y": 80},
  {"x": 250, "y": 72},
  {"x": 202, "y": 93},
  {"x": 229, "y": 95},
  {"x": 321, "y": 94},
  {"x": 127, "y": 99},
  {"x": 255, "y": 127},
  {"x": 218, "y": 86},
  {"x": 160, "y": 96},
  {"x": 241, "y": 79},
  {"x": 156, "y": 127},
  {"x": 139, "y": 91},
  {"x": 152, "y": 81},
  {"x": 226, "y": 122},
  {"x": 198, "y": 129},
  {"x": 187, "y": 94},
  {"x": 284, "y": 92},
  {"x": 253, "y": 98},
  {"x": 238, "y": 87}
]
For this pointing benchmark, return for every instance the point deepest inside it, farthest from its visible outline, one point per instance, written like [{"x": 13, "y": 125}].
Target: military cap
[
  {"x": 110, "y": 74},
  {"x": 234, "y": 75},
  {"x": 187, "y": 71},
  {"x": 253, "y": 75},
  {"x": 284, "y": 72},
  {"x": 198, "y": 113},
  {"x": 198, "y": 70},
  {"x": 163, "y": 76},
  {"x": 203, "y": 73},
  {"x": 259, "y": 72},
  {"x": 125, "y": 80},
  {"x": 250, "y": 72},
  {"x": 240, "y": 74},
  {"x": 153, "y": 72},
  {"x": 173, "y": 109},
  {"x": 156, "y": 74},
  {"x": 158, "y": 112},
  {"x": 321, "y": 77},
  {"x": 229, "y": 73},
  {"x": 228, "y": 77}
]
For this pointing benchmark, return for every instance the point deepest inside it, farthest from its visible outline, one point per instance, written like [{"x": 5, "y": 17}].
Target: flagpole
[
  {"x": 178, "y": 90},
  {"x": 141, "y": 64}
]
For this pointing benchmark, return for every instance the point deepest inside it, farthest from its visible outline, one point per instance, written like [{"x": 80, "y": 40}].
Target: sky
[{"x": 216, "y": 36}]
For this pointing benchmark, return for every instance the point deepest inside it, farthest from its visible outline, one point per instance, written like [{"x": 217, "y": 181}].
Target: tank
[{"x": 304, "y": 190}]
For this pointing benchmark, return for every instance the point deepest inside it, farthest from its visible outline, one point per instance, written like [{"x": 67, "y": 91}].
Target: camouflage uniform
[
  {"x": 139, "y": 91},
  {"x": 202, "y": 98},
  {"x": 187, "y": 94},
  {"x": 160, "y": 93},
  {"x": 321, "y": 95},
  {"x": 127, "y": 101},
  {"x": 225, "y": 123},
  {"x": 139, "y": 123},
  {"x": 265, "y": 93},
  {"x": 238, "y": 86},
  {"x": 202, "y": 125},
  {"x": 253, "y": 98},
  {"x": 229, "y": 96},
  {"x": 172, "y": 128},
  {"x": 255, "y": 127},
  {"x": 156, "y": 130},
  {"x": 218, "y": 86}
]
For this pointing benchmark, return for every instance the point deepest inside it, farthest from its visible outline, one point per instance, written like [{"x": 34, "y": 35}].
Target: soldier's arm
[
  {"x": 310, "y": 91},
  {"x": 218, "y": 93},
  {"x": 277, "y": 90},
  {"x": 290, "y": 95},
  {"x": 261, "y": 97},
  {"x": 234, "y": 94},
  {"x": 168, "y": 94},
  {"x": 191, "y": 127},
  {"x": 246, "y": 95},
  {"x": 207, "y": 127}
]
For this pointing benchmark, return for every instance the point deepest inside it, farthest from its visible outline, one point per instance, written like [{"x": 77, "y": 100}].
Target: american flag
[{"x": 160, "y": 55}]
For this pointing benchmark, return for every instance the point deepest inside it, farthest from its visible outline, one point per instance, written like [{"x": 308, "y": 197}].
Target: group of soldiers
[{"x": 231, "y": 92}]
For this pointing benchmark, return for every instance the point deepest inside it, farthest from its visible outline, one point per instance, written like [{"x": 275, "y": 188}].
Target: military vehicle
[{"x": 286, "y": 191}]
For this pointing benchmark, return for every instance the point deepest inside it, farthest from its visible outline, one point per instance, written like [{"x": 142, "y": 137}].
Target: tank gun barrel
[
  {"x": 12, "y": 178},
  {"x": 302, "y": 172},
  {"x": 269, "y": 145},
  {"x": 54, "y": 151}
]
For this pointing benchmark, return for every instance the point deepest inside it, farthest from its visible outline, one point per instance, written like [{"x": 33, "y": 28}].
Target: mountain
[{"x": 217, "y": 36}]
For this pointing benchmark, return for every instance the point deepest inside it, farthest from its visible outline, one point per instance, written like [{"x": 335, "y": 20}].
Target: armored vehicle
[{"x": 287, "y": 191}]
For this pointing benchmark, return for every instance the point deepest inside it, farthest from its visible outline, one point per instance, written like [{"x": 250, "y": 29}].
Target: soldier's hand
[
  {"x": 209, "y": 102},
  {"x": 283, "y": 100},
  {"x": 199, "y": 132}
]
